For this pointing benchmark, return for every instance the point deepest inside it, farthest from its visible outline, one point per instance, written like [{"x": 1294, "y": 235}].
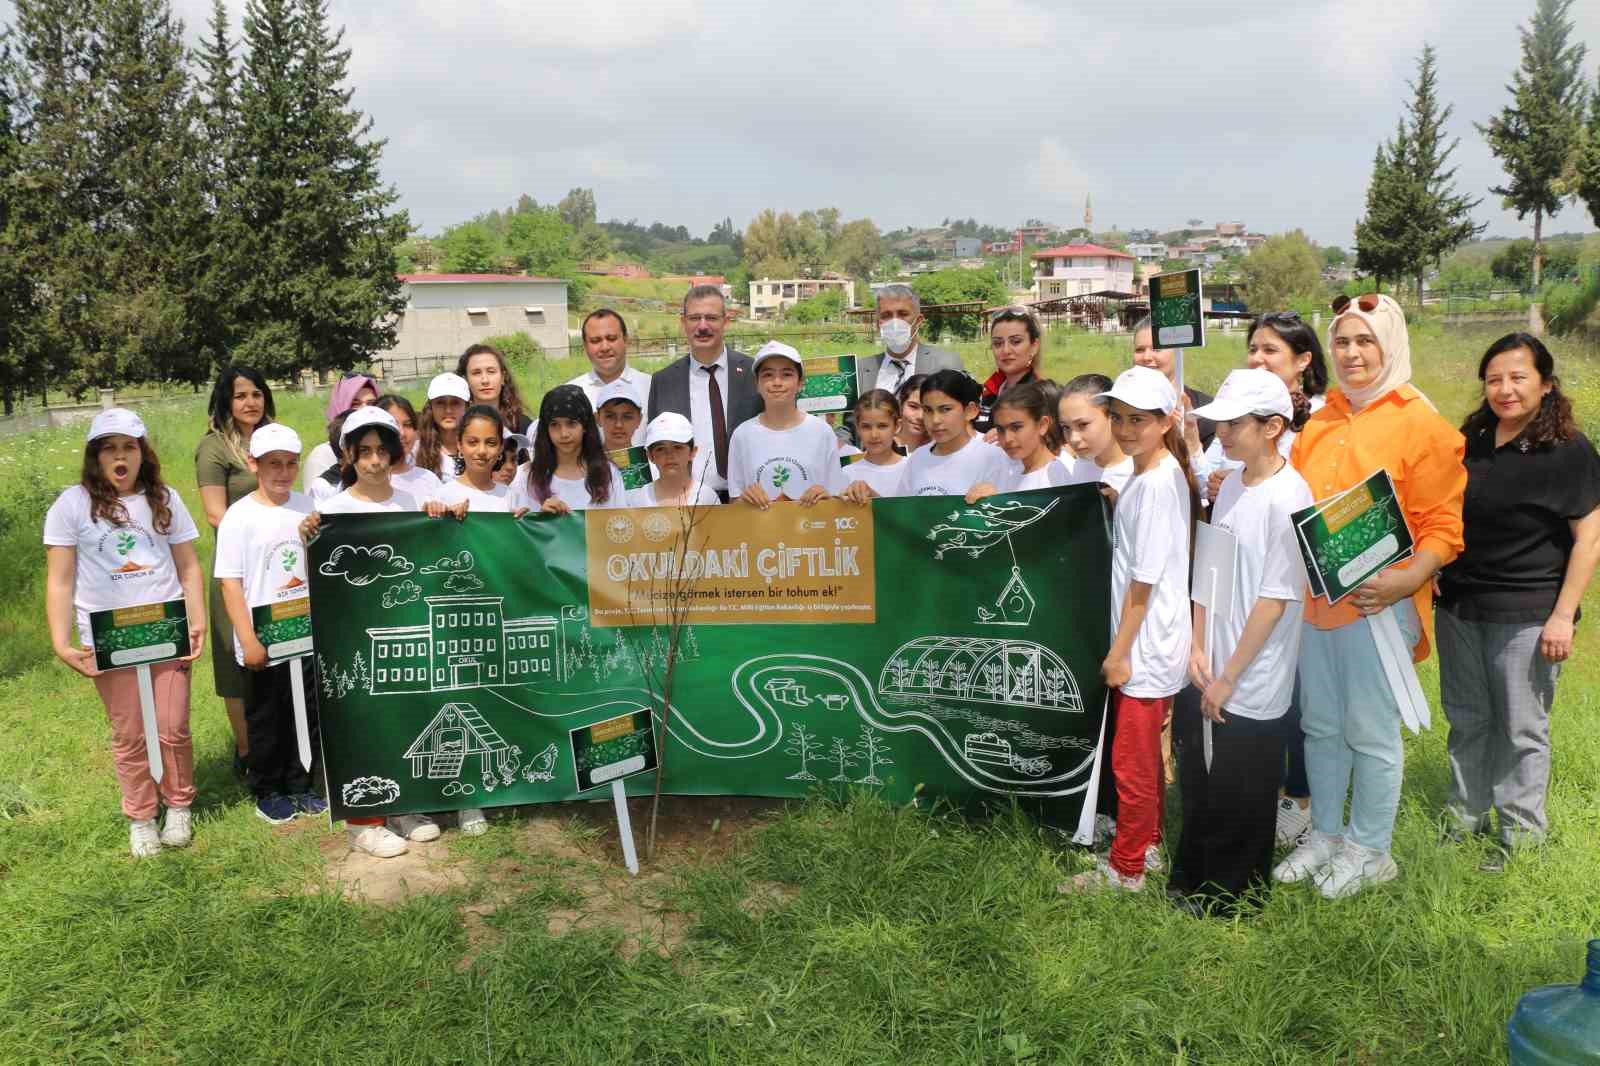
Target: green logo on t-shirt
[{"x": 780, "y": 475}]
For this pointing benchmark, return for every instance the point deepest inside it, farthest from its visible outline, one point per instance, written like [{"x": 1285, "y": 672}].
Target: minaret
[{"x": 1088, "y": 214}]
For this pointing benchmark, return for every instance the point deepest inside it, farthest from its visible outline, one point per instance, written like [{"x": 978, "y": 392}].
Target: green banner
[
  {"x": 830, "y": 384},
  {"x": 921, "y": 646},
  {"x": 142, "y": 635},
  {"x": 635, "y": 466}
]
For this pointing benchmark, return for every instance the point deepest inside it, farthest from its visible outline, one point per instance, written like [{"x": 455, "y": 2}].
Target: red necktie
[{"x": 719, "y": 421}]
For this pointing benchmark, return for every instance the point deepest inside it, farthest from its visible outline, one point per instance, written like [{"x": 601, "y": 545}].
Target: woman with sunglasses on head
[
  {"x": 1509, "y": 603},
  {"x": 1374, "y": 419},
  {"x": 1016, "y": 341}
]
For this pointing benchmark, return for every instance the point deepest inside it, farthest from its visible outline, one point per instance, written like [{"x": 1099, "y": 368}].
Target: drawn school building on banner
[{"x": 467, "y": 642}]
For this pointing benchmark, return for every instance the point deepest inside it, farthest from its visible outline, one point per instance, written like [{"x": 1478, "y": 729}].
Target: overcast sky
[{"x": 685, "y": 111}]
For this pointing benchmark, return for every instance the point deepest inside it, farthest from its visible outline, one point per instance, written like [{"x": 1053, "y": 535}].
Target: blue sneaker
[
  {"x": 309, "y": 804},
  {"x": 275, "y": 809}
]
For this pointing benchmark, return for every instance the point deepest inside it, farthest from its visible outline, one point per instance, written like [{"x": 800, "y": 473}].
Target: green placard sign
[
  {"x": 899, "y": 646},
  {"x": 613, "y": 749},
  {"x": 1175, "y": 312},
  {"x": 1349, "y": 537},
  {"x": 139, "y": 636},
  {"x": 634, "y": 464},
  {"x": 830, "y": 384},
  {"x": 284, "y": 628}
]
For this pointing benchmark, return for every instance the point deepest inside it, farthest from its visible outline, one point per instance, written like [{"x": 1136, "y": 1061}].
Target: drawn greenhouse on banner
[{"x": 980, "y": 670}]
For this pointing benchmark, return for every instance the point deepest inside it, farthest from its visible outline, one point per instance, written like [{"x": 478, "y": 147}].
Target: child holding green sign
[{"x": 120, "y": 539}]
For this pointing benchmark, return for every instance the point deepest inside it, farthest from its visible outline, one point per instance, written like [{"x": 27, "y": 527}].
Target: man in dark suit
[
  {"x": 713, "y": 386},
  {"x": 903, "y": 355}
]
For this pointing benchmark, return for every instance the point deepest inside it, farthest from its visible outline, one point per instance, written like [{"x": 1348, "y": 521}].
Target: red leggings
[{"x": 1141, "y": 786}]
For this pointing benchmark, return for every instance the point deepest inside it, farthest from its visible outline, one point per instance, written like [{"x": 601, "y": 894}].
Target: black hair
[
  {"x": 956, "y": 384},
  {"x": 386, "y": 436},
  {"x": 394, "y": 399},
  {"x": 1036, "y": 401},
  {"x": 1302, "y": 340},
  {"x": 1091, "y": 385},
  {"x": 591, "y": 450},
  {"x": 911, "y": 386},
  {"x": 602, "y": 312},
  {"x": 880, "y": 400},
  {"x": 1017, "y": 314},
  {"x": 219, "y": 408},
  {"x": 1554, "y": 422}
]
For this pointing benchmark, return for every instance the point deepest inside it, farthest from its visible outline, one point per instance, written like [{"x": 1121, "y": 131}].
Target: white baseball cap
[
  {"x": 115, "y": 420},
  {"x": 274, "y": 437},
  {"x": 449, "y": 385},
  {"x": 362, "y": 417},
  {"x": 1256, "y": 391},
  {"x": 777, "y": 350},
  {"x": 617, "y": 390},
  {"x": 1144, "y": 389},
  {"x": 669, "y": 428}
]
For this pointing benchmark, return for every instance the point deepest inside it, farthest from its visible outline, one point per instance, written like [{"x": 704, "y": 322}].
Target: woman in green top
[{"x": 240, "y": 401}]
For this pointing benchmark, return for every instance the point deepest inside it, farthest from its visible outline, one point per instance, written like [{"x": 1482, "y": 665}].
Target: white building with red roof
[
  {"x": 1080, "y": 269},
  {"x": 447, "y": 313}
]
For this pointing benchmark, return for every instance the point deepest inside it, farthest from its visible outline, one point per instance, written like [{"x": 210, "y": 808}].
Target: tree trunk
[
  {"x": 1420, "y": 283},
  {"x": 1538, "y": 246}
]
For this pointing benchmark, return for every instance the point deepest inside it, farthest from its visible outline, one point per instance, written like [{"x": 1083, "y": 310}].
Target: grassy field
[{"x": 836, "y": 930}]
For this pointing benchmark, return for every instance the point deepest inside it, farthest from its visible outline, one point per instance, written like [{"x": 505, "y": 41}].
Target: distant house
[
  {"x": 689, "y": 281},
  {"x": 961, "y": 247},
  {"x": 770, "y": 297},
  {"x": 446, "y": 313},
  {"x": 1002, "y": 247},
  {"x": 1230, "y": 229},
  {"x": 1033, "y": 234},
  {"x": 1080, "y": 269},
  {"x": 1148, "y": 253}
]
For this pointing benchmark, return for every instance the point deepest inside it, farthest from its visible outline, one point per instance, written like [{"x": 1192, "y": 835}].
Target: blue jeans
[{"x": 1352, "y": 729}]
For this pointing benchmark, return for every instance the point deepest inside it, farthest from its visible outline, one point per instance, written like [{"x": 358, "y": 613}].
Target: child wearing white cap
[
  {"x": 439, "y": 427},
  {"x": 620, "y": 411},
  {"x": 1247, "y": 680},
  {"x": 122, "y": 538},
  {"x": 669, "y": 441},
  {"x": 261, "y": 561},
  {"x": 783, "y": 453},
  {"x": 1149, "y": 654}
]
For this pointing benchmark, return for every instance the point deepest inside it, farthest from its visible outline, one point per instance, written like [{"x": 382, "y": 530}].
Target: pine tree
[
  {"x": 1444, "y": 221},
  {"x": 1586, "y": 165},
  {"x": 16, "y": 292},
  {"x": 1535, "y": 134}
]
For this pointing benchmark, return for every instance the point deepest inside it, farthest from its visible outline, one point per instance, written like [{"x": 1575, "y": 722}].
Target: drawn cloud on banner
[
  {"x": 401, "y": 594},
  {"x": 360, "y": 565},
  {"x": 462, "y": 583},
  {"x": 459, "y": 563},
  {"x": 370, "y": 792}
]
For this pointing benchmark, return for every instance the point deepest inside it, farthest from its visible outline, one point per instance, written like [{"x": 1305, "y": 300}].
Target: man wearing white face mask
[{"x": 899, "y": 321}]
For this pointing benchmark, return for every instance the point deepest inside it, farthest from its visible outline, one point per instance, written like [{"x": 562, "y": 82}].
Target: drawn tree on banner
[
  {"x": 325, "y": 679},
  {"x": 1055, "y": 685},
  {"x": 360, "y": 677},
  {"x": 901, "y": 671},
  {"x": 994, "y": 679},
  {"x": 803, "y": 744},
  {"x": 691, "y": 646},
  {"x": 874, "y": 753},
  {"x": 841, "y": 755}
]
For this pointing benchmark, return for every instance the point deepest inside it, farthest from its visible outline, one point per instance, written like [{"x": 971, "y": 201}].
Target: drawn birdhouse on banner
[{"x": 1013, "y": 607}]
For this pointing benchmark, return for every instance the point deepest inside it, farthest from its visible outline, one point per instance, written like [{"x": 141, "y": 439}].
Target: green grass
[{"x": 899, "y": 937}]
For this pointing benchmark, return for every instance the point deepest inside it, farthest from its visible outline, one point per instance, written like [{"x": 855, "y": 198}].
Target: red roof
[
  {"x": 1065, "y": 250},
  {"x": 501, "y": 279}
]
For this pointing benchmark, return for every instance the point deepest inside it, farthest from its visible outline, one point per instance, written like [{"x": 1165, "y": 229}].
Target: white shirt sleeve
[
  {"x": 1283, "y": 570},
  {"x": 183, "y": 529},
  {"x": 738, "y": 465},
  {"x": 62, "y": 520},
  {"x": 1156, "y": 516},
  {"x": 231, "y": 544}
]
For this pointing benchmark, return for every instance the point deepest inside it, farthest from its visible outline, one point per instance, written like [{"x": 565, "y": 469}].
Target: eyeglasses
[
  {"x": 695, "y": 320},
  {"x": 1367, "y": 301}
]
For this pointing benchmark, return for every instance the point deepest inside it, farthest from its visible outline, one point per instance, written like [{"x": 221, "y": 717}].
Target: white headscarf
[{"x": 1388, "y": 324}]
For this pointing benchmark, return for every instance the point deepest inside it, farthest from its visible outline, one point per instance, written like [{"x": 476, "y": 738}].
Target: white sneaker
[
  {"x": 377, "y": 841},
  {"x": 179, "y": 830},
  {"x": 1293, "y": 821},
  {"x": 1153, "y": 862},
  {"x": 472, "y": 822},
  {"x": 1354, "y": 868},
  {"x": 417, "y": 828},
  {"x": 1103, "y": 876},
  {"x": 1309, "y": 859},
  {"x": 142, "y": 838}
]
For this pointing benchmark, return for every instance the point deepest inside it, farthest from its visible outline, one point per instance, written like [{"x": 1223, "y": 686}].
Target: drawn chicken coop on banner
[
  {"x": 456, "y": 734},
  {"x": 979, "y": 670},
  {"x": 466, "y": 642}
]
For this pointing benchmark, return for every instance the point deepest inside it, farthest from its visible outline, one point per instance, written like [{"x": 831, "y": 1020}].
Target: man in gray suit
[
  {"x": 903, "y": 356},
  {"x": 713, "y": 386}
]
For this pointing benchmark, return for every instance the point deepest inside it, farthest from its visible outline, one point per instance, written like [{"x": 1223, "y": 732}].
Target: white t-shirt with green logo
[
  {"x": 122, "y": 565},
  {"x": 259, "y": 545},
  {"x": 784, "y": 462}
]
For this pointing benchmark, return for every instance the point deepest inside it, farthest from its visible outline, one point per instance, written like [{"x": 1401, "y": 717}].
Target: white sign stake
[
  {"x": 147, "y": 709},
  {"x": 619, "y": 799},
  {"x": 1398, "y": 671},
  {"x": 1216, "y": 668},
  {"x": 302, "y": 730}
]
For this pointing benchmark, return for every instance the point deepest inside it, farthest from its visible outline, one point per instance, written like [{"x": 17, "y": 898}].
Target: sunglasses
[
  {"x": 1007, "y": 314},
  {"x": 1281, "y": 316},
  {"x": 1367, "y": 301}
]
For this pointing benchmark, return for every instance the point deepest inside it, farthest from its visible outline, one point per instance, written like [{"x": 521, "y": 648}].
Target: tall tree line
[{"x": 163, "y": 213}]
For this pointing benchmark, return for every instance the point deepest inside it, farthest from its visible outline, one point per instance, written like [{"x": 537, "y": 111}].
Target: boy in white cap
[
  {"x": 261, "y": 561},
  {"x": 783, "y": 453},
  {"x": 1247, "y": 680},
  {"x": 669, "y": 440},
  {"x": 620, "y": 411},
  {"x": 122, "y": 538},
  {"x": 439, "y": 428}
]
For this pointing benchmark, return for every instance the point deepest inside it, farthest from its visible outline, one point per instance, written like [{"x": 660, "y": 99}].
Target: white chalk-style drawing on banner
[
  {"x": 466, "y": 642},
  {"x": 361, "y": 566},
  {"x": 803, "y": 745},
  {"x": 874, "y": 752},
  {"x": 370, "y": 792},
  {"x": 973, "y": 531},
  {"x": 842, "y": 755},
  {"x": 457, "y": 734},
  {"x": 542, "y": 767},
  {"x": 994, "y": 750},
  {"x": 982, "y": 670},
  {"x": 787, "y": 691},
  {"x": 457, "y": 570},
  {"x": 399, "y": 595}
]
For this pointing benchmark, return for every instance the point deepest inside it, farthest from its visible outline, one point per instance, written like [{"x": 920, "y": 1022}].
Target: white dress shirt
[
  {"x": 893, "y": 371},
  {"x": 705, "y": 460},
  {"x": 591, "y": 384}
]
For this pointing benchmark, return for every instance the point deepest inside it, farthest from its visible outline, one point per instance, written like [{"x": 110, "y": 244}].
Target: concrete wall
[{"x": 437, "y": 318}]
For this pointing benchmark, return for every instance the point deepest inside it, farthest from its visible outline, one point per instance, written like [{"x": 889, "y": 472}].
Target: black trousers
[
  {"x": 1230, "y": 812},
  {"x": 273, "y": 765}
]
